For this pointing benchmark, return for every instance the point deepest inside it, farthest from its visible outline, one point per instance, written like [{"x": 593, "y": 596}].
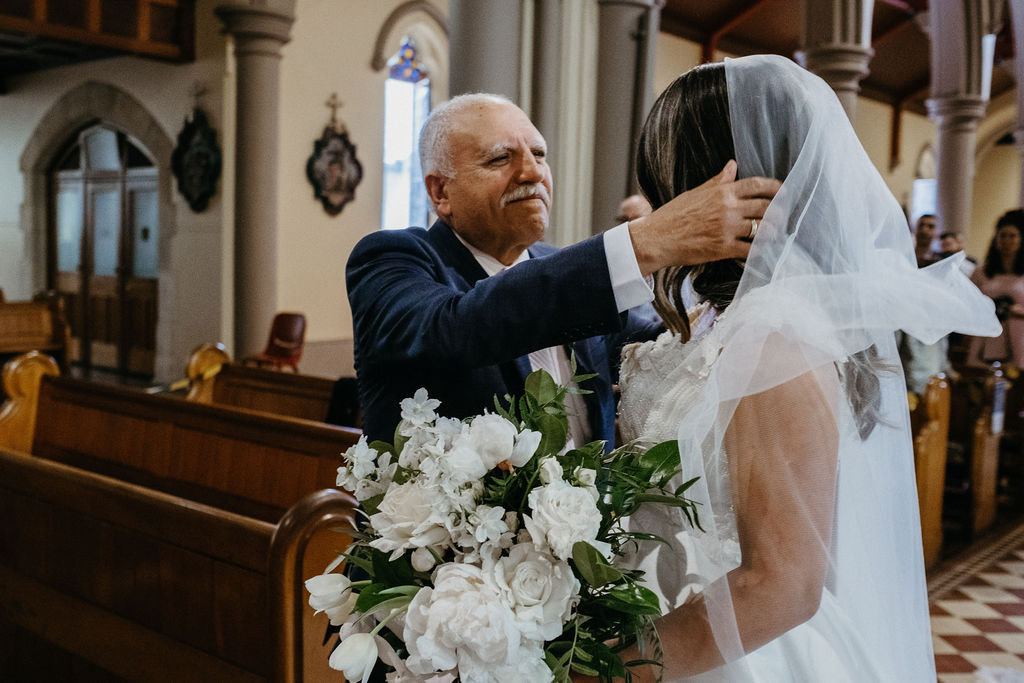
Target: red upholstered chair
[{"x": 284, "y": 347}]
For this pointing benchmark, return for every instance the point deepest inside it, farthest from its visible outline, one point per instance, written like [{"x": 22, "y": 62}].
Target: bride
[{"x": 785, "y": 393}]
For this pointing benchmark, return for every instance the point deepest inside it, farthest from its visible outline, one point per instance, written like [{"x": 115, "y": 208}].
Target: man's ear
[{"x": 437, "y": 190}]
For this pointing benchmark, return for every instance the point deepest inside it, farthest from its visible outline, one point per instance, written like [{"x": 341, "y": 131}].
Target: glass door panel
[{"x": 104, "y": 287}]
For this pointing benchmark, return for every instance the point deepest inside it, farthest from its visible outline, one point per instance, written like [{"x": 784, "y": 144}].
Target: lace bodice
[
  {"x": 647, "y": 367},
  {"x": 662, "y": 381}
]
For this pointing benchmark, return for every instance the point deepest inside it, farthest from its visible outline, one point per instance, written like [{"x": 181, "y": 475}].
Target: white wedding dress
[
  {"x": 759, "y": 400},
  {"x": 825, "y": 648}
]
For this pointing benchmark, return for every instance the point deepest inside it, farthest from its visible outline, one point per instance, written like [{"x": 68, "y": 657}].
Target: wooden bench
[
  {"x": 38, "y": 325},
  {"x": 21, "y": 377},
  {"x": 247, "y": 461},
  {"x": 101, "y": 579},
  {"x": 213, "y": 379},
  {"x": 930, "y": 421}
]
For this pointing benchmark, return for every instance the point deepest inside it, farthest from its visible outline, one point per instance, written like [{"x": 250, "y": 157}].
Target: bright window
[{"x": 406, "y": 106}]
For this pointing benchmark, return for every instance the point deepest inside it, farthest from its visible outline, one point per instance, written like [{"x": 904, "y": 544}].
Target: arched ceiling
[{"x": 899, "y": 69}]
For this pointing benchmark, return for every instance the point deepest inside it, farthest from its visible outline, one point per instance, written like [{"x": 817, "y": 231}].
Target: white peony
[
  {"x": 562, "y": 515},
  {"x": 409, "y": 516},
  {"x": 526, "y": 445},
  {"x": 460, "y": 622},
  {"x": 332, "y": 593},
  {"x": 492, "y": 437},
  {"x": 539, "y": 589},
  {"x": 529, "y": 667}
]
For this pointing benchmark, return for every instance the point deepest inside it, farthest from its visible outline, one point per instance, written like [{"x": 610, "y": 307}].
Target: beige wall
[{"x": 330, "y": 51}]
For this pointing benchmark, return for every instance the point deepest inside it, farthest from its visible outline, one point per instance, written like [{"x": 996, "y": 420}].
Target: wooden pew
[
  {"x": 38, "y": 325},
  {"x": 127, "y": 583},
  {"x": 21, "y": 378},
  {"x": 247, "y": 461},
  {"x": 213, "y": 378},
  {"x": 931, "y": 431}
]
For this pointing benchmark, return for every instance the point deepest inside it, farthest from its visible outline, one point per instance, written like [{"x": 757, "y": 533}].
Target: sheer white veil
[{"x": 831, "y": 274}]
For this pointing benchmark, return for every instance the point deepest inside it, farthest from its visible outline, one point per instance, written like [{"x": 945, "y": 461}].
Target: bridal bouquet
[{"x": 488, "y": 552}]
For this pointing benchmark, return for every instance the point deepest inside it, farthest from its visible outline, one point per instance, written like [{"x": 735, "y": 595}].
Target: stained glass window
[{"x": 406, "y": 106}]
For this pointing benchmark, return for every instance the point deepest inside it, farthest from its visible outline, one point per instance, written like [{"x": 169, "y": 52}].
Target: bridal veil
[{"x": 831, "y": 276}]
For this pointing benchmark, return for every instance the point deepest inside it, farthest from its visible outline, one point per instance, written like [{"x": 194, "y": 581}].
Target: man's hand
[{"x": 708, "y": 223}]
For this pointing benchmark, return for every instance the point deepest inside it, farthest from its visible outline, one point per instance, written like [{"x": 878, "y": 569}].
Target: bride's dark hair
[{"x": 685, "y": 141}]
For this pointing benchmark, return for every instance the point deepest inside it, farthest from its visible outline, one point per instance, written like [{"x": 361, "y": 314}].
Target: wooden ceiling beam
[{"x": 711, "y": 44}]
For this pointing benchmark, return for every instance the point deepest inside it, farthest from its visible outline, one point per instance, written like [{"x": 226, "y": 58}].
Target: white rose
[
  {"x": 332, "y": 593},
  {"x": 550, "y": 470},
  {"x": 563, "y": 515},
  {"x": 459, "y": 622},
  {"x": 409, "y": 516},
  {"x": 539, "y": 589},
  {"x": 355, "y": 656},
  {"x": 493, "y": 438},
  {"x": 586, "y": 476}
]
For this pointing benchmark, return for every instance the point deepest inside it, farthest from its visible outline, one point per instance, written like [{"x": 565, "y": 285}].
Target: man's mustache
[{"x": 525, "y": 192}]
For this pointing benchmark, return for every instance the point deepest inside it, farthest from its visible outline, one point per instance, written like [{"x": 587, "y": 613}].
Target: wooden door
[{"x": 106, "y": 256}]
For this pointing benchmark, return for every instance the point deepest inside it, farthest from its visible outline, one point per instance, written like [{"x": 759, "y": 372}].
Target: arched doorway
[{"x": 102, "y": 249}]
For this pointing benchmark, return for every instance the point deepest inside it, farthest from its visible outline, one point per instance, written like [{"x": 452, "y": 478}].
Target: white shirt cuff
[{"x": 628, "y": 284}]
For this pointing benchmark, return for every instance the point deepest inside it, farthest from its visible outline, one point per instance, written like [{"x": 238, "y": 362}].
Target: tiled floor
[{"x": 977, "y": 606}]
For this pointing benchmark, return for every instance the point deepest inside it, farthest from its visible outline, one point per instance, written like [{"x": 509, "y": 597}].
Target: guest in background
[
  {"x": 924, "y": 234},
  {"x": 952, "y": 243},
  {"x": 1002, "y": 279},
  {"x": 633, "y": 206}
]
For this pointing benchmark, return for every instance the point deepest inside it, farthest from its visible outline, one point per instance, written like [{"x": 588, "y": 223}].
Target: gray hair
[{"x": 435, "y": 145}]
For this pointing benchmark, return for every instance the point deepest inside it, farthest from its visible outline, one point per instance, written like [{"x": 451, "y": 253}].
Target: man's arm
[{"x": 404, "y": 310}]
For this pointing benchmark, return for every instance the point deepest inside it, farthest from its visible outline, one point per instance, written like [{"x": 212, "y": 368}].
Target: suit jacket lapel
[{"x": 454, "y": 253}]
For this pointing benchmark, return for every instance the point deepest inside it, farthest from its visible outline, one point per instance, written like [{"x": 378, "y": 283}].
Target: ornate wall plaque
[
  {"x": 196, "y": 161},
  {"x": 333, "y": 168}
]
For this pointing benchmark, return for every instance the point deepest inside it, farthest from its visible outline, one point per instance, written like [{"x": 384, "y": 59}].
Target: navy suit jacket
[{"x": 425, "y": 314}]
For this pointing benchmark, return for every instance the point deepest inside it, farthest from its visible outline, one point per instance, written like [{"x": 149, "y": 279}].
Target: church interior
[{"x": 181, "y": 184}]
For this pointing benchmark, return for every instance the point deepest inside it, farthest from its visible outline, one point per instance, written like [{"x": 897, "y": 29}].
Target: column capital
[
  {"x": 841, "y": 66},
  {"x": 270, "y": 22},
  {"x": 958, "y": 112}
]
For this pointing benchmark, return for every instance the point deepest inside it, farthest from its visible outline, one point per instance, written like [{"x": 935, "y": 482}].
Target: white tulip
[{"x": 355, "y": 657}]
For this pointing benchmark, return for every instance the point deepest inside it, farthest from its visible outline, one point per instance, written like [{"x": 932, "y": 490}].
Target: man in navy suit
[{"x": 469, "y": 307}]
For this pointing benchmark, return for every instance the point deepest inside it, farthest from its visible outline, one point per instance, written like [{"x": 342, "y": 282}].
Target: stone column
[
  {"x": 484, "y": 46},
  {"x": 546, "y": 88},
  {"x": 837, "y": 45},
  {"x": 957, "y": 120},
  {"x": 961, "y": 33},
  {"x": 628, "y": 32},
  {"x": 259, "y": 31}
]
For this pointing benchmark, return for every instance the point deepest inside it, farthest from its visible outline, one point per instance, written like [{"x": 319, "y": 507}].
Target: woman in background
[{"x": 1002, "y": 279}]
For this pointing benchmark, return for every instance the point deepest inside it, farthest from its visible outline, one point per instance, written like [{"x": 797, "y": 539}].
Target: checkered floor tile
[{"x": 978, "y": 616}]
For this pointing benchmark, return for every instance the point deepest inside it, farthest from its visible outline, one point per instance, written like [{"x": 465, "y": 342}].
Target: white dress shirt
[{"x": 630, "y": 289}]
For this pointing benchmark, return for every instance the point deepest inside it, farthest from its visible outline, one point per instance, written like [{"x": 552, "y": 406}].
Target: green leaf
[
  {"x": 632, "y": 598},
  {"x": 541, "y": 386},
  {"x": 663, "y": 457},
  {"x": 683, "y": 487},
  {"x": 592, "y": 566},
  {"x": 554, "y": 431},
  {"x": 371, "y": 504},
  {"x": 583, "y": 669}
]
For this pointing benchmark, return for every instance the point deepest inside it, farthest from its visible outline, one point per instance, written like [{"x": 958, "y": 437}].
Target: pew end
[
  {"x": 931, "y": 420},
  {"x": 21, "y": 378}
]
